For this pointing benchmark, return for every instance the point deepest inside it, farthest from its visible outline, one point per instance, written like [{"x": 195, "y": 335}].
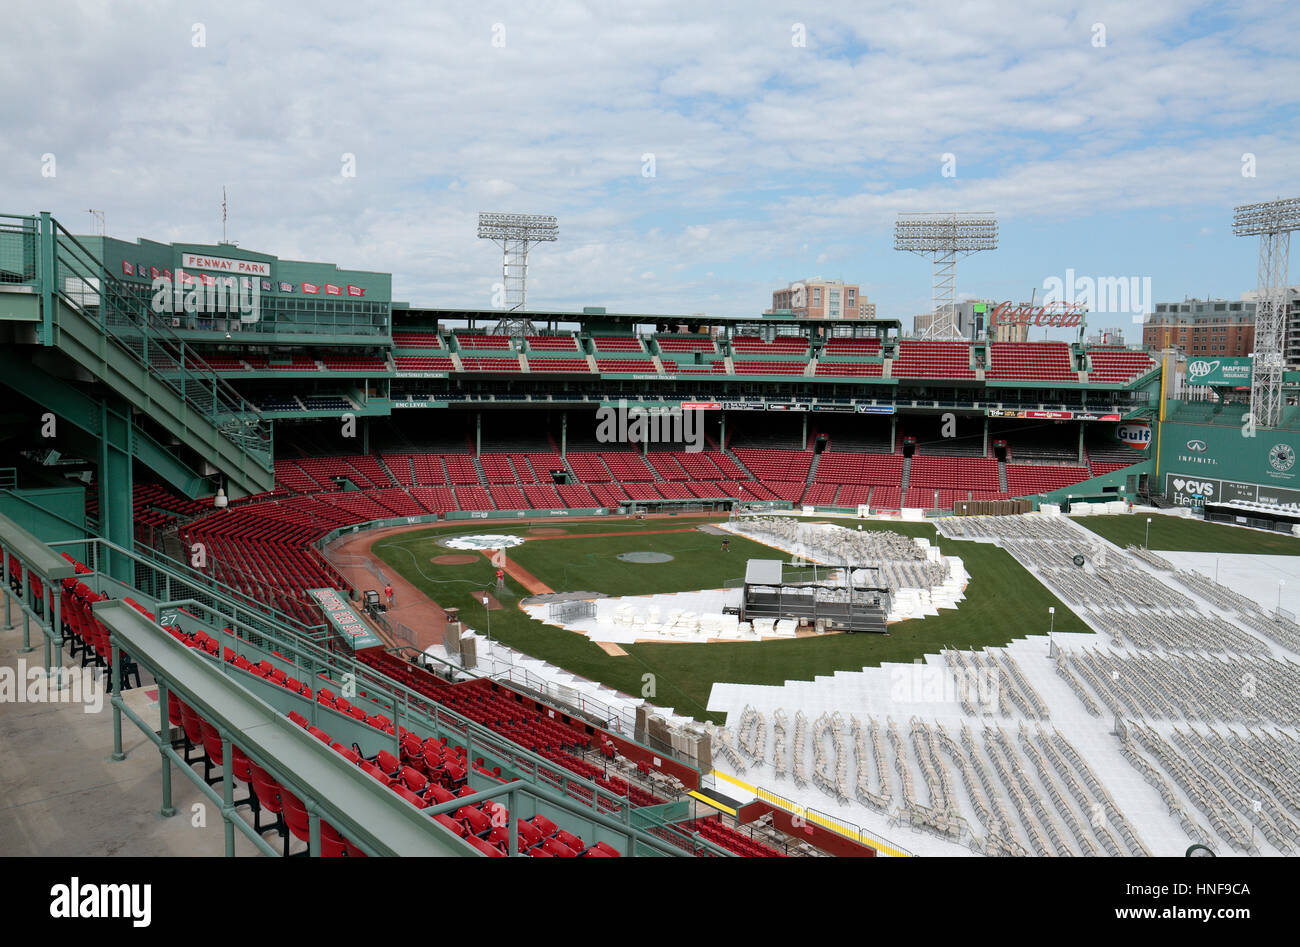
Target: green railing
[
  {"x": 161, "y": 578},
  {"x": 18, "y": 249},
  {"x": 83, "y": 284}
]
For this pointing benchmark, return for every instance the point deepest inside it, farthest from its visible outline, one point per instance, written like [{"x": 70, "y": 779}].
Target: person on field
[
  {"x": 501, "y": 578},
  {"x": 388, "y": 594}
]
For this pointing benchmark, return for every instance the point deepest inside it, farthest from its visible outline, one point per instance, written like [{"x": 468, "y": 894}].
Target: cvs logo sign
[{"x": 1203, "y": 487}]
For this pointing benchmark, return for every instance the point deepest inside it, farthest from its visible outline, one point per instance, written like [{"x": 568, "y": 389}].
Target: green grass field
[
  {"x": 1180, "y": 535},
  {"x": 1002, "y": 602}
]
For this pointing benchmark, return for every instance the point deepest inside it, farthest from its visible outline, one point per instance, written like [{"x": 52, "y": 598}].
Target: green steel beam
[
  {"x": 116, "y": 506},
  {"x": 74, "y": 406},
  {"x": 86, "y": 344},
  {"x": 47, "y": 273}
]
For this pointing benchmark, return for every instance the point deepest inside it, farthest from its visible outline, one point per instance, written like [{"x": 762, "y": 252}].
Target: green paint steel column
[
  {"x": 228, "y": 794},
  {"x": 47, "y": 277},
  {"x": 1080, "y": 443},
  {"x": 56, "y": 608},
  {"x": 27, "y": 618},
  {"x": 478, "y": 434},
  {"x": 164, "y": 730},
  {"x": 4, "y": 589},
  {"x": 512, "y": 825},
  {"x": 986, "y": 436},
  {"x": 564, "y": 433},
  {"x": 313, "y": 831},
  {"x": 116, "y": 513},
  {"x": 116, "y": 677}
]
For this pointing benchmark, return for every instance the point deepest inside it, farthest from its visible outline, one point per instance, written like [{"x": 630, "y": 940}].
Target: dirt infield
[
  {"x": 411, "y": 606},
  {"x": 534, "y": 585},
  {"x": 454, "y": 560}
]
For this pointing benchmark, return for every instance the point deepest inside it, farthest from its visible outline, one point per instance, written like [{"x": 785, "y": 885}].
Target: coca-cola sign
[{"x": 1058, "y": 315}]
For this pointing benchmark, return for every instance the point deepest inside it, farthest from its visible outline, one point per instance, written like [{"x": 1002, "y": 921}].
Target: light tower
[
  {"x": 944, "y": 237},
  {"x": 1273, "y": 221},
  {"x": 513, "y": 233}
]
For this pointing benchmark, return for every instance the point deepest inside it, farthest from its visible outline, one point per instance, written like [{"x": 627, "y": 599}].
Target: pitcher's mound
[
  {"x": 547, "y": 531},
  {"x": 644, "y": 557},
  {"x": 451, "y": 560}
]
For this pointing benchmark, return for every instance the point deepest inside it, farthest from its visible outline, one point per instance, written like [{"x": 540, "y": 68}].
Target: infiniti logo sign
[{"x": 1197, "y": 447}]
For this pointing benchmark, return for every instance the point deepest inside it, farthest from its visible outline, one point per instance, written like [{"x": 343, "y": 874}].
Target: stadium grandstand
[{"x": 178, "y": 475}]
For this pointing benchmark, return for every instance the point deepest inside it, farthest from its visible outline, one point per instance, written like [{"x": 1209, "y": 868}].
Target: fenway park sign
[{"x": 1058, "y": 315}]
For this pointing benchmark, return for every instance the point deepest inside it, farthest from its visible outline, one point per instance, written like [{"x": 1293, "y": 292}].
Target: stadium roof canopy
[{"x": 597, "y": 314}]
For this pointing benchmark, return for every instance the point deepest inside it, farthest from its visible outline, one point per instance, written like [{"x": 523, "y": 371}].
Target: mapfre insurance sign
[{"x": 200, "y": 261}]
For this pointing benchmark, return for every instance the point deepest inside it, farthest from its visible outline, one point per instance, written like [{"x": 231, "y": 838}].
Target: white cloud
[{"x": 768, "y": 158}]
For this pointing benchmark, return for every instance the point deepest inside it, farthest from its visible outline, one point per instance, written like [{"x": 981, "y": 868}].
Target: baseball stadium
[{"x": 366, "y": 577}]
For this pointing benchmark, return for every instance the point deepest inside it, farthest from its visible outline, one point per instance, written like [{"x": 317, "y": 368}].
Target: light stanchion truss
[
  {"x": 514, "y": 233},
  {"x": 944, "y": 238},
  {"x": 1272, "y": 222}
]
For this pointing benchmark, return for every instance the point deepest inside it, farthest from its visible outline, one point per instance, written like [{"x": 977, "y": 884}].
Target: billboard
[
  {"x": 1136, "y": 434},
  {"x": 1195, "y": 490},
  {"x": 1219, "y": 372},
  {"x": 1231, "y": 452}
]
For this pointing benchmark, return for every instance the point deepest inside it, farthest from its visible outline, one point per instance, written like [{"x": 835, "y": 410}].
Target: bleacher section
[
  {"x": 954, "y": 473},
  {"x": 780, "y": 347},
  {"x": 850, "y": 369},
  {"x": 538, "y": 363},
  {"x": 917, "y": 359},
  {"x": 842, "y": 346},
  {"x": 1117, "y": 366},
  {"x": 475, "y": 364},
  {"x": 768, "y": 367},
  {"x": 837, "y": 467},
  {"x": 364, "y": 364},
  {"x": 409, "y": 363},
  {"x": 551, "y": 343},
  {"x": 416, "y": 340},
  {"x": 1030, "y": 361},
  {"x": 474, "y": 340},
  {"x": 1027, "y": 479},
  {"x": 617, "y": 343},
  {"x": 625, "y": 365},
  {"x": 685, "y": 344}
]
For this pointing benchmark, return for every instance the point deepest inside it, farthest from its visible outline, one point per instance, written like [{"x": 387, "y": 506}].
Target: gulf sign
[
  {"x": 1136, "y": 434},
  {"x": 1057, "y": 315}
]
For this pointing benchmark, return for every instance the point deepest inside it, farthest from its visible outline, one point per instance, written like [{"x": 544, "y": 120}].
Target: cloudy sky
[{"x": 696, "y": 155}]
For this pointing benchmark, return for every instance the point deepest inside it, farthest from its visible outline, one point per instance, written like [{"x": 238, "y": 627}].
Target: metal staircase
[{"x": 64, "y": 299}]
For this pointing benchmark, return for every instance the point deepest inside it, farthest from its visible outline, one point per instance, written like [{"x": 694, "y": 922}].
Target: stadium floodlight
[
  {"x": 1272, "y": 222},
  {"x": 943, "y": 237},
  {"x": 513, "y": 233}
]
